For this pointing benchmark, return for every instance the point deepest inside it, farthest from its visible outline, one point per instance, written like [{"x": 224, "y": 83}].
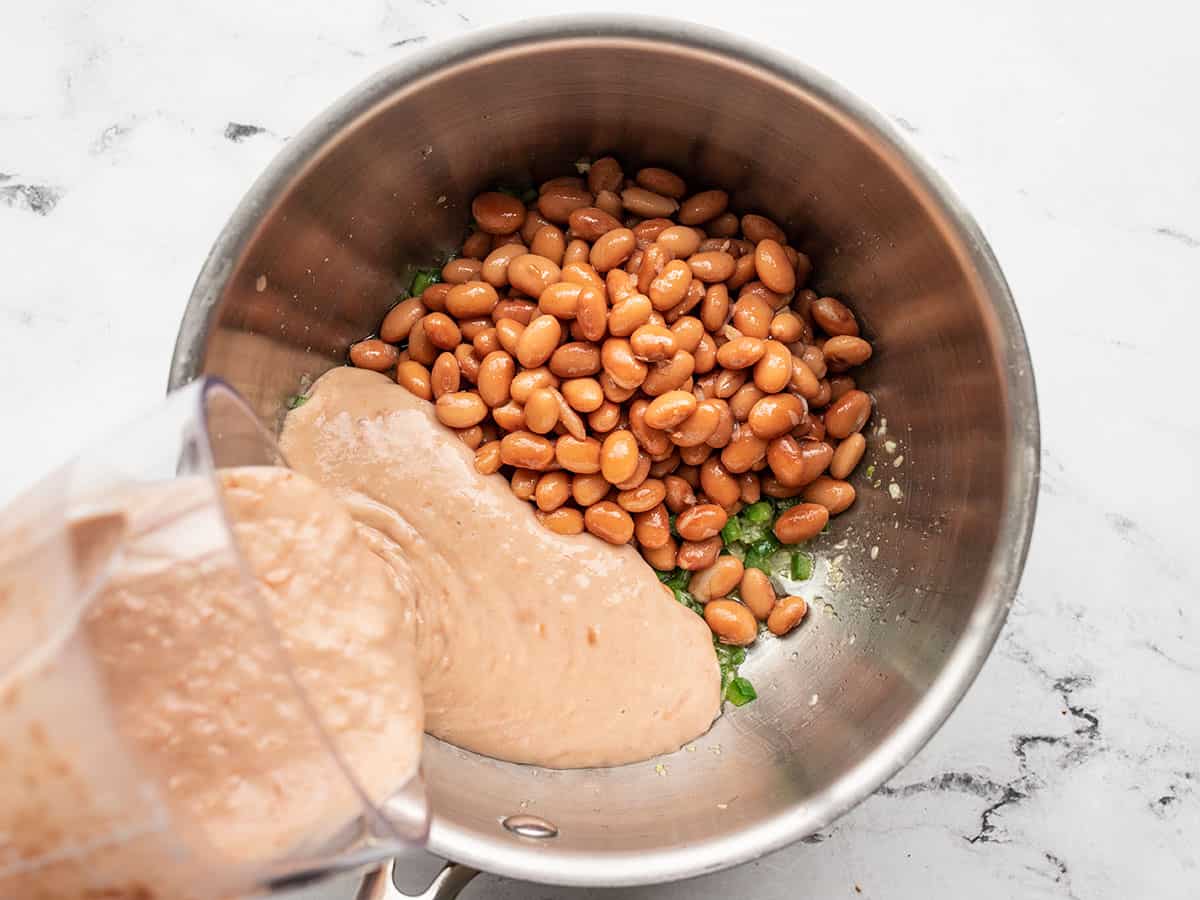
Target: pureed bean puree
[{"x": 532, "y": 646}]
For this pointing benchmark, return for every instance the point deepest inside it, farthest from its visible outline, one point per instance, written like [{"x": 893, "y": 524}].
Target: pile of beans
[{"x": 640, "y": 363}]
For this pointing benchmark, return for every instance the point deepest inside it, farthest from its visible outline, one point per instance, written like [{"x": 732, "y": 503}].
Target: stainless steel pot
[{"x": 382, "y": 182}]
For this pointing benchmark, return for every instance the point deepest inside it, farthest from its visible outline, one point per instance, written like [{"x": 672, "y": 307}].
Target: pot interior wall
[{"x": 392, "y": 189}]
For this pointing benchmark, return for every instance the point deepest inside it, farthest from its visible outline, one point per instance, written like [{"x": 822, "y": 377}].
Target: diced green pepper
[
  {"x": 757, "y": 561},
  {"x": 759, "y": 513},
  {"x": 728, "y": 658},
  {"x": 766, "y": 545},
  {"x": 732, "y": 532},
  {"x": 676, "y": 578},
  {"x": 689, "y": 601},
  {"x": 740, "y": 691},
  {"x": 677, "y": 581},
  {"x": 802, "y": 566},
  {"x": 423, "y": 279}
]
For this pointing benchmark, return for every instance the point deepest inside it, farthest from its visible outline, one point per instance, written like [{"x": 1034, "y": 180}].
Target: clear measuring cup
[{"x": 90, "y": 803}]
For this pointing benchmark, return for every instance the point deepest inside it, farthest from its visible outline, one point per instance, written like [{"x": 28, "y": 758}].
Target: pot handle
[{"x": 449, "y": 882}]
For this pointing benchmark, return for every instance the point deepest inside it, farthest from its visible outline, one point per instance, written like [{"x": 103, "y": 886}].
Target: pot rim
[{"x": 541, "y": 861}]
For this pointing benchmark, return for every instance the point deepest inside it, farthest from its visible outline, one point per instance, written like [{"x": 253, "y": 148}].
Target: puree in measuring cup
[{"x": 160, "y": 745}]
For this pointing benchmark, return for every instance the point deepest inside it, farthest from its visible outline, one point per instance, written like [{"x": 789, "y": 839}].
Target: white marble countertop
[{"x": 1072, "y": 769}]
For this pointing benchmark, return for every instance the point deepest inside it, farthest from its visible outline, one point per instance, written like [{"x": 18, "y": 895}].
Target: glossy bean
[
  {"x": 526, "y": 450},
  {"x": 845, "y": 351},
  {"x": 743, "y": 451},
  {"x": 605, "y": 174},
  {"x": 786, "y": 615},
  {"x": 539, "y": 341},
  {"x": 415, "y": 378},
  {"x": 671, "y": 285},
  {"x": 773, "y": 267},
  {"x": 717, "y": 580},
  {"x": 497, "y": 213},
  {"x": 661, "y": 181},
  {"x": 642, "y": 202},
  {"x": 587, "y": 489},
  {"x": 606, "y": 417},
  {"x": 718, "y": 484},
  {"x": 461, "y": 409},
  {"x": 487, "y": 458},
  {"x": 552, "y": 491},
  {"x": 759, "y": 228},
  {"x": 524, "y": 483},
  {"x": 696, "y": 555},
  {"x": 618, "y": 360},
  {"x": 558, "y": 202},
  {"x": 647, "y": 495},
  {"x": 460, "y": 271},
  {"x": 848, "y": 414},
  {"x": 607, "y": 521},
  {"x": 847, "y": 456},
  {"x": 757, "y": 593},
  {"x": 834, "y": 494},
  {"x": 652, "y": 528},
  {"x": 731, "y": 622},
  {"x": 775, "y": 415},
  {"x": 703, "y": 207},
  {"x": 701, "y": 522},
  {"x": 670, "y": 409},
  {"x": 680, "y": 240},
  {"x": 834, "y": 317},
  {"x": 714, "y": 309},
  {"x": 374, "y": 354},
  {"x": 445, "y": 377},
  {"x": 563, "y": 520},
  {"x": 400, "y": 320},
  {"x": 612, "y": 249},
  {"x": 800, "y": 523}
]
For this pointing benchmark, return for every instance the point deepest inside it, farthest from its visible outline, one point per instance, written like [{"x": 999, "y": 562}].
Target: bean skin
[
  {"x": 731, "y": 622},
  {"x": 717, "y": 580},
  {"x": 609, "y": 522},
  {"x": 800, "y": 523},
  {"x": 701, "y": 522},
  {"x": 757, "y": 593},
  {"x": 562, "y": 521},
  {"x": 696, "y": 555},
  {"x": 786, "y": 615},
  {"x": 374, "y": 354},
  {"x": 847, "y": 456},
  {"x": 836, "y": 496}
]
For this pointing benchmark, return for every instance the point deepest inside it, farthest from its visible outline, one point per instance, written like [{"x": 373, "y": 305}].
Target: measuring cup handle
[{"x": 449, "y": 882}]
